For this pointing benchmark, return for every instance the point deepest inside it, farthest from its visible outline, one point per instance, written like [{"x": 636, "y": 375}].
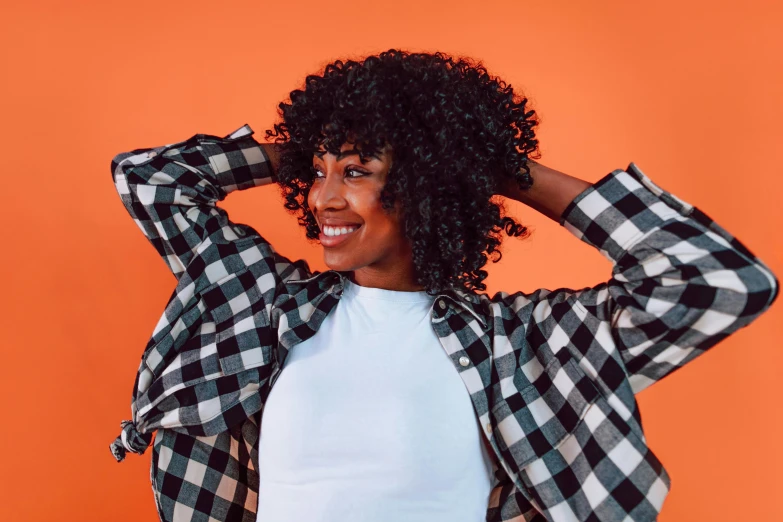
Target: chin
[{"x": 338, "y": 265}]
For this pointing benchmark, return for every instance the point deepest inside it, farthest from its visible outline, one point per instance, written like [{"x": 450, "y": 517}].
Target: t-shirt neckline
[{"x": 383, "y": 294}]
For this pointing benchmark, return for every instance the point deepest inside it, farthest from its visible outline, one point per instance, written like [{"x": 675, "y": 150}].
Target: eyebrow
[{"x": 342, "y": 154}]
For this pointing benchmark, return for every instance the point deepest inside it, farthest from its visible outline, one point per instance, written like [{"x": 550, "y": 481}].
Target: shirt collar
[{"x": 471, "y": 303}]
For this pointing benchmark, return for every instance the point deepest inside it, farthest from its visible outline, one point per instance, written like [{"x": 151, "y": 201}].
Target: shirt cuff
[{"x": 238, "y": 161}]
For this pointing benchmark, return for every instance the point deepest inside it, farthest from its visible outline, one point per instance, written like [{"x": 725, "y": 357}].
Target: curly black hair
[{"x": 456, "y": 132}]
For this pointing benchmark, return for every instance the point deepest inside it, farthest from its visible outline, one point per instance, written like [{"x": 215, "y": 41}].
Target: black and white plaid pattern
[{"x": 552, "y": 374}]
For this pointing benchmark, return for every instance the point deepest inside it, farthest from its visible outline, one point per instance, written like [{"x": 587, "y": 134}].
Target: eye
[{"x": 360, "y": 173}]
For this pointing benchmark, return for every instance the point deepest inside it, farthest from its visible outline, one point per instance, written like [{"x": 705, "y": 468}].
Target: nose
[{"x": 329, "y": 193}]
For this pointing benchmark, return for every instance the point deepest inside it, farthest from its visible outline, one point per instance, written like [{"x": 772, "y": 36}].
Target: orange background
[{"x": 690, "y": 91}]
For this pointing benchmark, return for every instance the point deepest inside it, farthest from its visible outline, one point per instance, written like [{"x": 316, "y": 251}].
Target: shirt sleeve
[
  {"x": 189, "y": 378},
  {"x": 680, "y": 283},
  {"x": 172, "y": 191}
]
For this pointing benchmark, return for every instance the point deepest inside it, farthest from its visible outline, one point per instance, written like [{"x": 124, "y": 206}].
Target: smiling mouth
[{"x": 329, "y": 241}]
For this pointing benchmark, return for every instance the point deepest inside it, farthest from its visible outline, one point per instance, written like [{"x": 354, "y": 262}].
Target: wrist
[
  {"x": 510, "y": 186},
  {"x": 551, "y": 191},
  {"x": 273, "y": 155}
]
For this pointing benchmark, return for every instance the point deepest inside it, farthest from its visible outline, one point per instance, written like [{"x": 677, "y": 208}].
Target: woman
[{"x": 410, "y": 395}]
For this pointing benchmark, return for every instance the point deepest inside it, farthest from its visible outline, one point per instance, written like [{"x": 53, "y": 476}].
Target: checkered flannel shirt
[{"x": 552, "y": 374}]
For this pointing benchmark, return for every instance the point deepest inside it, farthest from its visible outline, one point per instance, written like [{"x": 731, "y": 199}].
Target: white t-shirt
[{"x": 369, "y": 421}]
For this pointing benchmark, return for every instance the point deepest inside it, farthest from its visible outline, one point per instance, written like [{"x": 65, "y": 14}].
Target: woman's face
[{"x": 347, "y": 190}]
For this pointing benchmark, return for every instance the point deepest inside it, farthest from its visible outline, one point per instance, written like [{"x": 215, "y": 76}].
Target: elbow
[
  {"x": 730, "y": 300},
  {"x": 763, "y": 289},
  {"x": 116, "y": 161},
  {"x": 745, "y": 292}
]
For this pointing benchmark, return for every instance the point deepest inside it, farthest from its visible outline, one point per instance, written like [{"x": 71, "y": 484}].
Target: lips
[
  {"x": 337, "y": 223},
  {"x": 331, "y": 241}
]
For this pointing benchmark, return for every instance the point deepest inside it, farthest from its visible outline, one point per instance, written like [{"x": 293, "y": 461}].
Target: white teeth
[{"x": 337, "y": 231}]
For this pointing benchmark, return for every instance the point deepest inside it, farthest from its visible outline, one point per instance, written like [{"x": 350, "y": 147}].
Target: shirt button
[
  {"x": 464, "y": 361},
  {"x": 489, "y": 428},
  {"x": 442, "y": 304}
]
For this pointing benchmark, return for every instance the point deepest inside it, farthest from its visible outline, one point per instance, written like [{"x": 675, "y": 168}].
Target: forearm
[
  {"x": 551, "y": 192},
  {"x": 274, "y": 156}
]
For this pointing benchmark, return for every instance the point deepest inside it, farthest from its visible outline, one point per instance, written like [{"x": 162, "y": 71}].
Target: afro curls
[{"x": 457, "y": 134}]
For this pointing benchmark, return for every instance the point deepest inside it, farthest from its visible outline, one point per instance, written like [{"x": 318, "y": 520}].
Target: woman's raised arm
[
  {"x": 680, "y": 282},
  {"x": 172, "y": 191}
]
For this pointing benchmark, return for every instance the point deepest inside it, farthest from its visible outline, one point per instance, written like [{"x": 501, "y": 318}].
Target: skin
[
  {"x": 380, "y": 256},
  {"x": 551, "y": 193}
]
